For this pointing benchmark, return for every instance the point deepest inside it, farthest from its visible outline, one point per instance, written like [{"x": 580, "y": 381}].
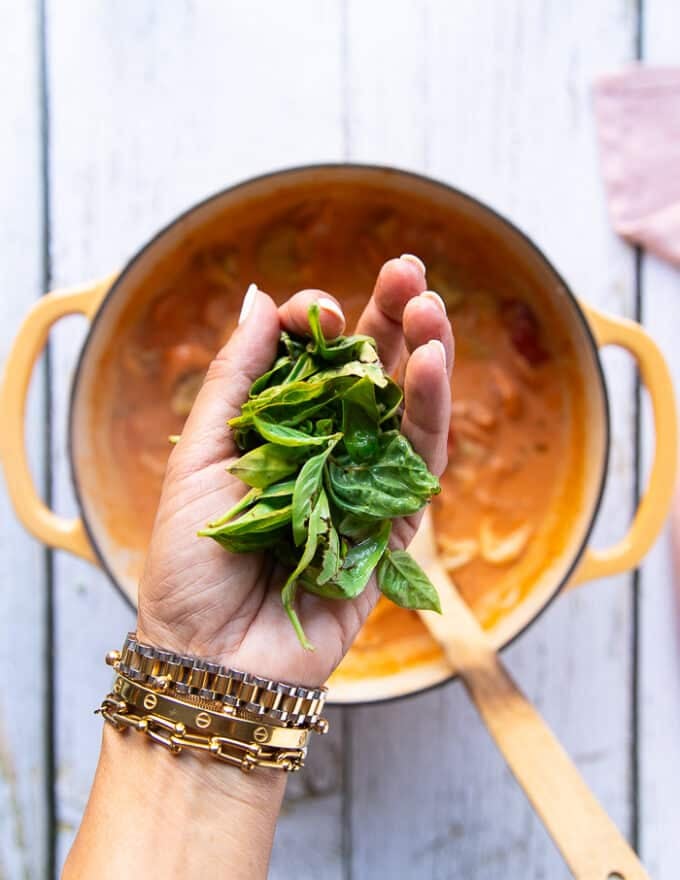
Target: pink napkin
[{"x": 638, "y": 118}]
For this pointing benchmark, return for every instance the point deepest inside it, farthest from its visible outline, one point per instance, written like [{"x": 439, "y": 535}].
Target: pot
[{"x": 106, "y": 302}]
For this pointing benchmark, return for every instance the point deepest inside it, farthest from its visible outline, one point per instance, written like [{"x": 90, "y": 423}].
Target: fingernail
[
  {"x": 328, "y": 305},
  {"x": 439, "y": 347},
  {"x": 412, "y": 258},
  {"x": 248, "y": 303},
  {"x": 430, "y": 294}
]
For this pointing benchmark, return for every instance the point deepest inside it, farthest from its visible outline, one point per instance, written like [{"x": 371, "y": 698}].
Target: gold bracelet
[
  {"x": 179, "y": 702},
  {"x": 175, "y": 737},
  {"x": 244, "y": 694},
  {"x": 207, "y": 720}
]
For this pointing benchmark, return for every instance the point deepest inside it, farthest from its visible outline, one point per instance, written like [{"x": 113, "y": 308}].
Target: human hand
[{"x": 197, "y": 598}]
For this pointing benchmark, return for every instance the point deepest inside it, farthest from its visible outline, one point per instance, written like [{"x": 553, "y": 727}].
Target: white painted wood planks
[
  {"x": 658, "y": 696},
  {"x": 150, "y": 110},
  {"x": 24, "y": 719}
]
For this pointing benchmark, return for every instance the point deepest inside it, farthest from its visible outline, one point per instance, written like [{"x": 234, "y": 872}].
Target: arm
[
  {"x": 192, "y": 816},
  {"x": 174, "y": 816}
]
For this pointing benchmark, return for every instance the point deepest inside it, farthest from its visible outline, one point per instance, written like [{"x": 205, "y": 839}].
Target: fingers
[
  {"x": 427, "y": 404},
  {"x": 293, "y": 313},
  {"x": 427, "y": 390},
  {"x": 252, "y": 348},
  {"x": 424, "y": 319},
  {"x": 249, "y": 352},
  {"x": 398, "y": 282}
]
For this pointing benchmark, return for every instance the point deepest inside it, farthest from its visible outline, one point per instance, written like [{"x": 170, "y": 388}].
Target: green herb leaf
[
  {"x": 328, "y": 471},
  {"x": 319, "y": 523},
  {"x": 307, "y": 488},
  {"x": 275, "y": 376},
  {"x": 389, "y": 400},
  {"x": 374, "y": 372},
  {"x": 247, "y": 501},
  {"x": 360, "y": 561},
  {"x": 267, "y": 464},
  {"x": 360, "y": 421},
  {"x": 251, "y": 543},
  {"x": 295, "y": 348},
  {"x": 264, "y": 516},
  {"x": 402, "y": 580},
  {"x": 344, "y": 348},
  {"x": 305, "y": 366},
  {"x": 285, "y": 436},
  {"x": 396, "y": 483},
  {"x": 331, "y": 559}
]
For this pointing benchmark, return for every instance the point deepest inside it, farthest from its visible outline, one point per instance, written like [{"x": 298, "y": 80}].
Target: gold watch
[
  {"x": 241, "y": 693},
  {"x": 182, "y": 702}
]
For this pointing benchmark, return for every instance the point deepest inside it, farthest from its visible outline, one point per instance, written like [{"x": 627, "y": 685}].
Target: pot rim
[{"x": 399, "y": 172}]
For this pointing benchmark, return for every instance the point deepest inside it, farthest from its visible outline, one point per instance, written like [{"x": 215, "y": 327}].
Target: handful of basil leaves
[{"x": 328, "y": 471}]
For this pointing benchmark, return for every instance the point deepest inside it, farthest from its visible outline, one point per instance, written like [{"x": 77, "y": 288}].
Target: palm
[{"x": 197, "y": 598}]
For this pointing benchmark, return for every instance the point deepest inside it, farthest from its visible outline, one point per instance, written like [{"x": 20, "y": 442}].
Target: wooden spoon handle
[{"x": 591, "y": 844}]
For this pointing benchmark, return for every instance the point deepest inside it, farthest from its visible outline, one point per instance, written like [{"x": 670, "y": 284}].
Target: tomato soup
[{"x": 516, "y": 445}]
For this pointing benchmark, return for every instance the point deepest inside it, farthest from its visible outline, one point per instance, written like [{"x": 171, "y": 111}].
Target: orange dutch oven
[{"x": 106, "y": 303}]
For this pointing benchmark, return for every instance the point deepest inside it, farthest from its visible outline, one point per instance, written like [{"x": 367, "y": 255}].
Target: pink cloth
[{"x": 638, "y": 117}]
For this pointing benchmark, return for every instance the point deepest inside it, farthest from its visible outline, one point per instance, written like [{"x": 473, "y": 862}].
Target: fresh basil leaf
[
  {"x": 252, "y": 543},
  {"x": 294, "y": 394},
  {"x": 389, "y": 400},
  {"x": 327, "y": 590},
  {"x": 365, "y": 351},
  {"x": 355, "y": 573},
  {"x": 307, "y": 489},
  {"x": 403, "y": 581},
  {"x": 292, "y": 404},
  {"x": 344, "y": 348},
  {"x": 264, "y": 516},
  {"x": 275, "y": 376},
  {"x": 293, "y": 347},
  {"x": 331, "y": 557},
  {"x": 282, "y": 435},
  {"x": 361, "y": 559},
  {"x": 324, "y": 427},
  {"x": 248, "y": 499},
  {"x": 351, "y": 526},
  {"x": 319, "y": 522},
  {"x": 279, "y": 490},
  {"x": 305, "y": 366},
  {"x": 328, "y": 471},
  {"x": 267, "y": 464},
  {"x": 396, "y": 483},
  {"x": 360, "y": 421},
  {"x": 374, "y": 372}
]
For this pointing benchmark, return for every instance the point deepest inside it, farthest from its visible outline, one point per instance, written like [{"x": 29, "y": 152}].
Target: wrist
[
  {"x": 189, "y": 782},
  {"x": 151, "y": 813}
]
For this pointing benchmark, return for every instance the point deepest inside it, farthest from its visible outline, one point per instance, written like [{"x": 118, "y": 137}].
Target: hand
[{"x": 197, "y": 598}]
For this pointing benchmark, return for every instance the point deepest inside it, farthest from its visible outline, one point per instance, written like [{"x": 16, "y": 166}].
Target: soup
[{"x": 514, "y": 479}]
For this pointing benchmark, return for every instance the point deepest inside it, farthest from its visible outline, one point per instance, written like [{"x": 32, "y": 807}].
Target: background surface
[{"x": 118, "y": 115}]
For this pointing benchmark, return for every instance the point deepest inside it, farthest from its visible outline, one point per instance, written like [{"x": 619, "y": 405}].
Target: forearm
[{"x": 188, "y": 816}]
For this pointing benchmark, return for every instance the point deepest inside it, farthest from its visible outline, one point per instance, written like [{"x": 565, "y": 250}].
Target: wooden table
[{"x": 118, "y": 115}]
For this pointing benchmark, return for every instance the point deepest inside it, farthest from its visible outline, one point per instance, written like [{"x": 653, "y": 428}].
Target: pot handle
[
  {"x": 45, "y": 524},
  {"x": 656, "y": 499}
]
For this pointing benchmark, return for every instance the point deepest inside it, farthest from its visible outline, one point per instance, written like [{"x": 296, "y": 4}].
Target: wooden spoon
[{"x": 590, "y": 843}]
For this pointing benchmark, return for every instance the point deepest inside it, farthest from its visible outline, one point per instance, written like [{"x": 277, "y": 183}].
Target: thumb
[{"x": 249, "y": 352}]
